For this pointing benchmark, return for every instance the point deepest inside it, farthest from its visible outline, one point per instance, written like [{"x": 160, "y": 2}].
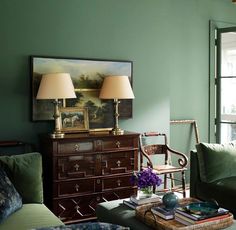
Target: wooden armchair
[{"x": 166, "y": 168}]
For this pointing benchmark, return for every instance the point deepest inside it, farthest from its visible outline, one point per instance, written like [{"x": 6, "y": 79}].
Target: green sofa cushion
[
  {"x": 25, "y": 172},
  {"x": 31, "y": 216},
  {"x": 216, "y": 161}
]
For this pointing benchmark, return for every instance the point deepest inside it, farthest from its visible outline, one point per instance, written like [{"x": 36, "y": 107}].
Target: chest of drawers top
[{"x": 92, "y": 143}]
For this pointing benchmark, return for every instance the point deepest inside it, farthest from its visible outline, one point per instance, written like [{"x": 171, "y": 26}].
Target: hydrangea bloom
[{"x": 145, "y": 178}]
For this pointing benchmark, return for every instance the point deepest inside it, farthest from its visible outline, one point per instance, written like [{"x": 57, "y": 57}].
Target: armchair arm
[{"x": 183, "y": 160}]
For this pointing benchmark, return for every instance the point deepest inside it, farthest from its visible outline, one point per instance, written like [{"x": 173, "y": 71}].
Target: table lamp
[
  {"x": 56, "y": 86},
  {"x": 116, "y": 87}
]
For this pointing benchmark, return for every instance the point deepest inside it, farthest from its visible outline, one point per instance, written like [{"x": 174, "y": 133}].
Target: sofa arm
[{"x": 194, "y": 173}]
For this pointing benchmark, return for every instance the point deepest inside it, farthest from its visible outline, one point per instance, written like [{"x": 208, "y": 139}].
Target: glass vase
[{"x": 146, "y": 192}]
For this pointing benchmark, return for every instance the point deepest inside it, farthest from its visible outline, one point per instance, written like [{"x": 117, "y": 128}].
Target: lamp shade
[
  {"x": 56, "y": 86},
  {"x": 116, "y": 87}
]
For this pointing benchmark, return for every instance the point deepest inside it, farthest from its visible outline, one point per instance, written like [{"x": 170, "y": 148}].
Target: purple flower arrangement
[{"x": 145, "y": 178}]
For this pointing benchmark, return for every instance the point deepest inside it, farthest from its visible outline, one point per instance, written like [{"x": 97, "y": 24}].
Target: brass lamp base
[
  {"x": 57, "y": 135},
  {"x": 117, "y": 131}
]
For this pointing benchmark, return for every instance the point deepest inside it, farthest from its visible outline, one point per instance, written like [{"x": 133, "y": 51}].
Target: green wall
[{"x": 167, "y": 40}]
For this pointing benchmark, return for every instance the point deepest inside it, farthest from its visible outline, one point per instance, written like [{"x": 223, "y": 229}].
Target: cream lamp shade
[
  {"x": 56, "y": 86},
  {"x": 116, "y": 87}
]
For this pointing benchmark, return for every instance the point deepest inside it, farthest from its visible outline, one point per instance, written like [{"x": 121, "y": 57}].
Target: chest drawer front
[
  {"x": 75, "y": 187},
  {"x": 75, "y": 147},
  {"x": 117, "y": 182},
  {"x": 79, "y": 166},
  {"x": 117, "y": 143},
  {"x": 118, "y": 162}
]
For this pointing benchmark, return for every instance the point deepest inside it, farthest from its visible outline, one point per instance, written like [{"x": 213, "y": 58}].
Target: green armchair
[{"x": 213, "y": 174}]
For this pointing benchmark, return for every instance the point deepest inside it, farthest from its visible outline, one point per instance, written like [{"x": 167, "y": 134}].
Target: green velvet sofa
[
  {"x": 25, "y": 173},
  {"x": 213, "y": 174}
]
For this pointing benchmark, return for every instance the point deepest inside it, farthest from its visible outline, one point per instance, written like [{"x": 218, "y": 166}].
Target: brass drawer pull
[
  {"x": 76, "y": 187},
  {"x": 98, "y": 198},
  {"x": 98, "y": 181},
  {"x": 118, "y": 182},
  {"x": 118, "y": 144},
  {"x": 118, "y": 163},
  {"x": 77, "y": 147},
  {"x": 76, "y": 166}
]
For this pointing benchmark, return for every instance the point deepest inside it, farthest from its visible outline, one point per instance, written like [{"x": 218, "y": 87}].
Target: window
[{"x": 226, "y": 85}]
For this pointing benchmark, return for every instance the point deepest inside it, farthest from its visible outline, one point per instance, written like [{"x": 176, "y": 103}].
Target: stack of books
[
  {"x": 135, "y": 201},
  {"x": 162, "y": 212},
  {"x": 188, "y": 218}
]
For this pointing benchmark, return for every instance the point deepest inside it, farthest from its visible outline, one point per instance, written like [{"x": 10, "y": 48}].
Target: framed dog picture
[{"x": 74, "y": 119}]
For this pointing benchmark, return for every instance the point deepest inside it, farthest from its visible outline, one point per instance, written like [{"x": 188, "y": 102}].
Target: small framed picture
[{"x": 74, "y": 119}]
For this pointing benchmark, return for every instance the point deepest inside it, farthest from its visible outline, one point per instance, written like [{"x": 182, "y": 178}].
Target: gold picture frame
[{"x": 74, "y": 119}]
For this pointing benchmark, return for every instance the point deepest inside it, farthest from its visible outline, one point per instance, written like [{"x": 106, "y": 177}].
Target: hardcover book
[
  {"x": 187, "y": 221},
  {"x": 144, "y": 200},
  {"x": 162, "y": 212},
  {"x": 130, "y": 204}
]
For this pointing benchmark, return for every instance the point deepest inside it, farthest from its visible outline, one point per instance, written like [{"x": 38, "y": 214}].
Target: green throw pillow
[
  {"x": 25, "y": 172},
  {"x": 216, "y": 161}
]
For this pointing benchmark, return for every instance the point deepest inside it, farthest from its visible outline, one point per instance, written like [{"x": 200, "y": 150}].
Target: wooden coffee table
[
  {"x": 117, "y": 213},
  {"x": 144, "y": 214}
]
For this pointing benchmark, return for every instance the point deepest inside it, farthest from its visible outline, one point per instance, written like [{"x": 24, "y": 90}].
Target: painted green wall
[{"x": 167, "y": 40}]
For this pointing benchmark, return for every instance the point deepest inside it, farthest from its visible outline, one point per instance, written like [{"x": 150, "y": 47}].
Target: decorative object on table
[
  {"x": 56, "y": 86},
  {"x": 146, "y": 179},
  {"x": 74, "y": 119},
  {"x": 87, "y": 76},
  {"x": 161, "y": 211},
  {"x": 144, "y": 214},
  {"x": 150, "y": 147},
  {"x": 116, "y": 87},
  {"x": 197, "y": 211},
  {"x": 170, "y": 200}
]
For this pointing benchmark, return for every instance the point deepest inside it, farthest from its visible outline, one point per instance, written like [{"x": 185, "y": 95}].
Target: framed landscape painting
[{"x": 87, "y": 76}]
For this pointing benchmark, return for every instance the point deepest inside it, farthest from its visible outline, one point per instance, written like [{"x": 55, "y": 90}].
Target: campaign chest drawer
[
  {"x": 116, "y": 143},
  {"x": 79, "y": 166},
  {"x": 75, "y": 147},
  {"x": 77, "y": 187}
]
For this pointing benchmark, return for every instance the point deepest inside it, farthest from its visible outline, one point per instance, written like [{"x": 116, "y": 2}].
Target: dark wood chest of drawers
[{"x": 82, "y": 170}]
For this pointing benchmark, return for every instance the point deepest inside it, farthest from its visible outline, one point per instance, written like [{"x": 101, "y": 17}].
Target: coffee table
[{"x": 117, "y": 213}]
